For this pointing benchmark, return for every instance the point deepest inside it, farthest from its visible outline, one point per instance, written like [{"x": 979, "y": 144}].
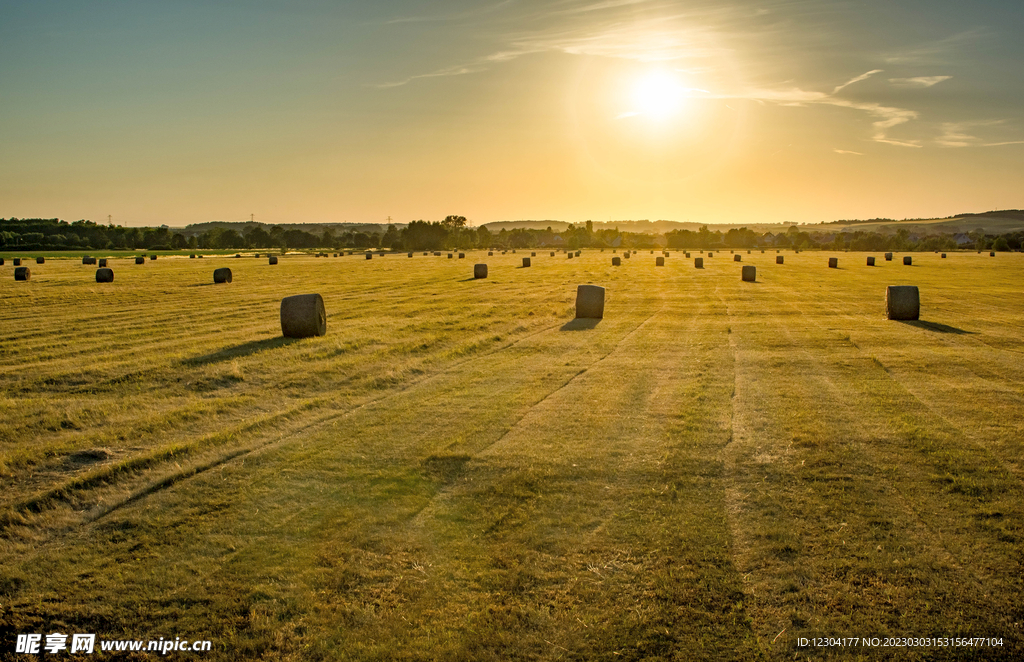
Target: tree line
[{"x": 453, "y": 233}]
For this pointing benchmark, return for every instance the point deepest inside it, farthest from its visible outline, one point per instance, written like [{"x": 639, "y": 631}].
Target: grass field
[{"x": 460, "y": 471}]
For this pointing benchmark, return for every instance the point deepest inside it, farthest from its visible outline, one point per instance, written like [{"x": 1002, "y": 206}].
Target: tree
[
  {"x": 451, "y": 222},
  {"x": 391, "y": 238},
  {"x": 483, "y": 237}
]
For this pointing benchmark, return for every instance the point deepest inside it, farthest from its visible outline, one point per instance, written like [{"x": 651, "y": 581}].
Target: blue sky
[{"x": 181, "y": 112}]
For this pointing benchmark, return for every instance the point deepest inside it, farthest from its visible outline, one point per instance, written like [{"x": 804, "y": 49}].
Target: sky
[{"x": 175, "y": 112}]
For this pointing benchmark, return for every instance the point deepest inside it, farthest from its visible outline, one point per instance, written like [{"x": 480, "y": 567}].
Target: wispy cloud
[
  {"x": 846, "y": 151},
  {"x": 886, "y": 117},
  {"x": 937, "y": 51},
  {"x": 857, "y": 79},
  {"x": 458, "y": 70},
  {"x": 919, "y": 81},
  {"x": 440, "y": 18},
  {"x": 961, "y": 134},
  {"x": 686, "y": 39}
]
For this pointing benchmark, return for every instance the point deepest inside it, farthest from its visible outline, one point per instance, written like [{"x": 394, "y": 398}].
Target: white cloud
[
  {"x": 961, "y": 134},
  {"x": 919, "y": 81},
  {"x": 846, "y": 151},
  {"x": 857, "y": 79}
]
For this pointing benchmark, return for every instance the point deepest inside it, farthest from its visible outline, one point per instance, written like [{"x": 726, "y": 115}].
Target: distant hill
[{"x": 990, "y": 222}]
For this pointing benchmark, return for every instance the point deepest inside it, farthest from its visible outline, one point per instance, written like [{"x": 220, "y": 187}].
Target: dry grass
[{"x": 456, "y": 471}]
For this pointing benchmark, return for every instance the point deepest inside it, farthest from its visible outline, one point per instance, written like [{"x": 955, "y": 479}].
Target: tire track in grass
[
  {"x": 74, "y": 489},
  {"x": 963, "y": 367},
  {"x": 586, "y": 533},
  {"x": 927, "y": 557},
  {"x": 319, "y": 452}
]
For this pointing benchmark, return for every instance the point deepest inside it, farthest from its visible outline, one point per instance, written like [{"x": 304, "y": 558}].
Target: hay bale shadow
[
  {"x": 580, "y": 324},
  {"x": 238, "y": 351},
  {"x": 935, "y": 326},
  {"x": 445, "y": 468}
]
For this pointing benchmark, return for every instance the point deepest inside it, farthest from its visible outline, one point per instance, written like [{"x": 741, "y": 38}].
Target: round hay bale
[
  {"x": 578, "y": 253},
  {"x": 42, "y": 260},
  {"x": 871, "y": 261},
  {"x": 991, "y": 254},
  {"x": 192, "y": 256},
  {"x": 902, "y": 302},
  {"x": 737, "y": 258},
  {"x": 888, "y": 257},
  {"x": 369, "y": 255},
  {"x": 104, "y": 275},
  {"x": 687, "y": 255},
  {"x": 236, "y": 255},
  {"x": 140, "y": 260},
  {"x": 907, "y": 260},
  {"x": 748, "y": 252},
  {"x": 833, "y": 263},
  {"x": 749, "y": 273},
  {"x": 200, "y": 257},
  {"x": 86, "y": 260},
  {"x": 490, "y": 253},
  {"x": 526, "y": 262},
  {"x": 450, "y": 256},
  {"x": 698, "y": 262},
  {"x": 762, "y": 251},
  {"x": 222, "y": 275},
  {"x": 303, "y": 316},
  {"x": 943, "y": 256},
  {"x": 426, "y": 254},
  {"x": 410, "y": 253},
  {"x": 437, "y": 253},
  {"x": 513, "y": 251},
  {"x": 626, "y": 255},
  {"x": 462, "y": 255},
  {"x": 569, "y": 256},
  {"x": 272, "y": 259},
  {"x": 22, "y": 273},
  {"x": 479, "y": 271},
  {"x": 659, "y": 261},
  {"x": 17, "y": 261},
  {"x": 533, "y": 253},
  {"x": 1, "y": 262},
  {"x": 710, "y": 254},
  {"x": 589, "y": 302},
  {"x": 779, "y": 259},
  {"x": 152, "y": 257},
  {"x": 616, "y": 261},
  {"x": 552, "y": 253}
]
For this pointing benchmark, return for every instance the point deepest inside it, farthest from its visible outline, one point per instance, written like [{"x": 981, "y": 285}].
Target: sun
[{"x": 658, "y": 95}]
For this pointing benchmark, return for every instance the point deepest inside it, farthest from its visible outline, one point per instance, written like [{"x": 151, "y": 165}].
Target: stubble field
[{"x": 460, "y": 471}]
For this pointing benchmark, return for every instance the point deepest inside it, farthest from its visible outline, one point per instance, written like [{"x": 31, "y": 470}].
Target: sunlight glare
[{"x": 658, "y": 95}]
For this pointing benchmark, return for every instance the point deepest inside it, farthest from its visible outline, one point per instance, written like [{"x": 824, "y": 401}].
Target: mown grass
[{"x": 714, "y": 470}]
